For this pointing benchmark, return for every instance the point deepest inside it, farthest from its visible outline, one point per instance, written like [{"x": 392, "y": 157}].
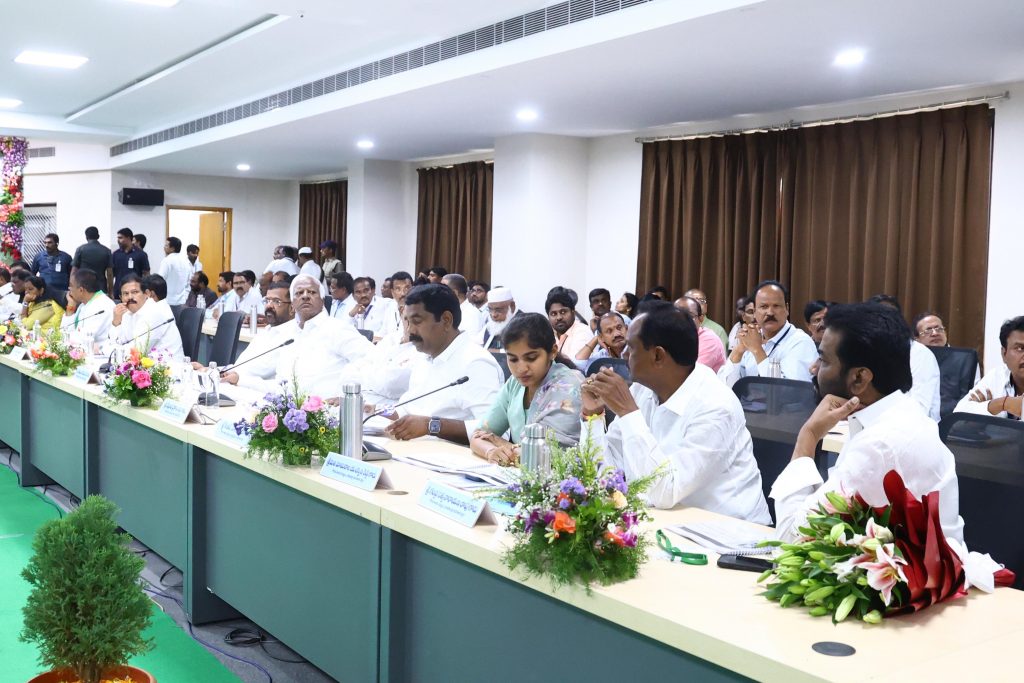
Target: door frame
[{"x": 228, "y": 215}]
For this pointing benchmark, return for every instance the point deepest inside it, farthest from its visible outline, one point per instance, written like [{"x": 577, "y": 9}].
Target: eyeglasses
[
  {"x": 676, "y": 553},
  {"x": 274, "y": 302},
  {"x": 932, "y": 330}
]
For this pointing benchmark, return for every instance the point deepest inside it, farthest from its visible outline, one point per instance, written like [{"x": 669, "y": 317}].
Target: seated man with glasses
[
  {"x": 929, "y": 330},
  {"x": 280, "y": 326},
  {"x": 1001, "y": 391}
]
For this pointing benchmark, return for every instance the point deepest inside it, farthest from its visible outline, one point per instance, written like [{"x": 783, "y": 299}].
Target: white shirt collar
[
  {"x": 866, "y": 417},
  {"x": 780, "y": 335},
  {"x": 690, "y": 388},
  {"x": 314, "y": 322},
  {"x": 449, "y": 352}
]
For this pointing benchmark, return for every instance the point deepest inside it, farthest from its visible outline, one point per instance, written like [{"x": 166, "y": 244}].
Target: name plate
[
  {"x": 362, "y": 475},
  {"x": 179, "y": 412},
  {"x": 85, "y": 375},
  {"x": 18, "y": 353},
  {"x": 460, "y": 506},
  {"x": 226, "y": 431}
]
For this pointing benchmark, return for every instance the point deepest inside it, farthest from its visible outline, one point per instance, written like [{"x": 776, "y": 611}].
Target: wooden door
[{"x": 212, "y": 227}]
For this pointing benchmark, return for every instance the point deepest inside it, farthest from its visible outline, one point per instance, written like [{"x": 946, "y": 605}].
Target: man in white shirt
[
  {"x": 471, "y": 321},
  {"x": 924, "y": 368},
  {"x": 258, "y": 362},
  {"x": 284, "y": 260},
  {"x": 143, "y": 321},
  {"x": 1001, "y": 391},
  {"x": 328, "y": 256},
  {"x": 308, "y": 265},
  {"x": 863, "y": 372},
  {"x": 343, "y": 303},
  {"x": 678, "y": 415},
  {"x": 501, "y": 308},
  {"x": 176, "y": 270},
  {"x": 380, "y": 316},
  {"x": 432, "y": 314},
  {"x": 571, "y": 335},
  {"x": 192, "y": 251},
  {"x": 95, "y": 310},
  {"x": 244, "y": 298},
  {"x": 385, "y": 372},
  {"x": 771, "y": 338},
  {"x": 9, "y": 304}
]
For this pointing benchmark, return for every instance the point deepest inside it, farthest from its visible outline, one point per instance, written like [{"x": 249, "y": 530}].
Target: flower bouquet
[
  {"x": 870, "y": 562},
  {"x": 292, "y": 427},
  {"x": 54, "y": 354},
  {"x": 12, "y": 334},
  {"x": 140, "y": 380},
  {"x": 578, "y": 522}
]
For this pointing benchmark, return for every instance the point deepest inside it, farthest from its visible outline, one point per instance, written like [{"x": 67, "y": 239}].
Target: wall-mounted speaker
[{"x": 141, "y": 196}]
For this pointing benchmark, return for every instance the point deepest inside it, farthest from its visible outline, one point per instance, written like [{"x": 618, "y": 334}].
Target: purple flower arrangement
[
  {"x": 580, "y": 522},
  {"x": 13, "y": 157},
  {"x": 292, "y": 427}
]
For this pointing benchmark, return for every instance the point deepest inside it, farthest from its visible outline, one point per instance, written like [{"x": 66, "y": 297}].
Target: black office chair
[
  {"x": 775, "y": 410},
  {"x": 989, "y": 454},
  {"x": 224, "y": 349},
  {"x": 190, "y": 326},
  {"x": 957, "y": 370},
  {"x": 176, "y": 311},
  {"x": 502, "y": 359},
  {"x": 619, "y": 365},
  {"x": 366, "y": 333}
]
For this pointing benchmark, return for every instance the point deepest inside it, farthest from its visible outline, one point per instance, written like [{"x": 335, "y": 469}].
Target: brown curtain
[
  {"x": 323, "y": 215},
  {"x": 453, "y": 227},
  {"x": 898, "y": 205}
]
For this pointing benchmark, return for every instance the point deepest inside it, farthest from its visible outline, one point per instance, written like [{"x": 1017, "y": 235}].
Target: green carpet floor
[{"x": 175, "y": 656}]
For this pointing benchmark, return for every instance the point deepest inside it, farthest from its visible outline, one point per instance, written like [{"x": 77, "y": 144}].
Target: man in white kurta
[
  {"x": 679, "y": 416},
  {"x": 1001, "y": 391},
  {"x": 888, "y": 429},
  {"x": 143, "y": 322},
  {"x": 95, "y": 310},
  {"x": 176, "y": 270},
  {"x": 258, "y": 362}
]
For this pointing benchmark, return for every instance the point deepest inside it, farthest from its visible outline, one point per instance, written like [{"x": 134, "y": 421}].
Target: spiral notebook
[{"x": 724, "y": 536}]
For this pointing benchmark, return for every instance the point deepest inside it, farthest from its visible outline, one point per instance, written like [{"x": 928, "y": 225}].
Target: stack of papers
[
  {"x": 479, "y": 475},
  {"x": 724, "y": 536}
]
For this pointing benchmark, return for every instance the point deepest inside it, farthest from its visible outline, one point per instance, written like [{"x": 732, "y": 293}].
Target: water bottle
[
  {"x": 775, "y": 368},
  {"x": 253, "y": 322},
  {"x": 535, "y": 454},
  {"x": 360, "y": 320},
  {"x": 213, "y": 398},
  {"x": 37, "y": 332},
  {"x": 352, "y": 421}
]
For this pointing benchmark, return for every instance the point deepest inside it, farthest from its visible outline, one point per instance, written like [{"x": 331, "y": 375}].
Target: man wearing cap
[
  {"x": 501, "y": 309},
  {"x": 308, "y": 265},
  {"x": 328, "y": 257}
]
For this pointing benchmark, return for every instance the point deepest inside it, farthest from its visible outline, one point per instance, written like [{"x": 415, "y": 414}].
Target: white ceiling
[{"x": 771, "y": 56}]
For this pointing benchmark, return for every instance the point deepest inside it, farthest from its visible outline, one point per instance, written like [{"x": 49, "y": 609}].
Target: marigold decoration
[
  {"x": 580, "y": 522},
  {"x": 291, "y": 426},
  {"x": 11, "y": 334},
  {"x": 13, "y": 157},
  {"x": 869, "y": 562},
  {"x": 55, "y": 355},
  {"x": 140, "y": 380}
]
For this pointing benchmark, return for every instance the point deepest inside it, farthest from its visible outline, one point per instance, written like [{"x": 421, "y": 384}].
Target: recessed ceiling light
[
  {"x": 50, "y": 59},
  {"x": 9, "y": 103},
  {"x": 365, "y": 144},
  {"x": 851, "y": 57},
  {"x": 243, "y": 167},
  {"x": 527, "y": 114},
  {"x": 157, "y": 3}
]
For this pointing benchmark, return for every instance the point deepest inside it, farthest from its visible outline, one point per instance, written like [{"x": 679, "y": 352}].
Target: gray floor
[{"x": 260, "y": 665}]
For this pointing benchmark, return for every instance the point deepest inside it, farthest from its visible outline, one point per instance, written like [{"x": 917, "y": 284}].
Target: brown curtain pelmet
[
  {"x": 323, "y": 215},
  {"x": 898, "y": 205},
  {"x": 453, "y": 227}
]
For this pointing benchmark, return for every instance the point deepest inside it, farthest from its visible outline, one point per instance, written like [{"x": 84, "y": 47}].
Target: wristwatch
[{"x": 434, "y": 426}]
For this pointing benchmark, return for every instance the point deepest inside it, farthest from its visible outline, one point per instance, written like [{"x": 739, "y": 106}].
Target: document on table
[
  {"x": 484, "y": 473},
  {"x": 724, "y": 536}
]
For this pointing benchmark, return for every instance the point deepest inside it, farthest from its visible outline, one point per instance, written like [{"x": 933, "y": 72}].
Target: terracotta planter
[{"x": 64, "y": 676}]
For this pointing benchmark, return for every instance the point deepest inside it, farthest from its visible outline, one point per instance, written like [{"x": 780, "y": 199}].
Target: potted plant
[{"x": 87, "y": 610}]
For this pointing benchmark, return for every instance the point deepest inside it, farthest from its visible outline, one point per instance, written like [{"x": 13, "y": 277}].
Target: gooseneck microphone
[
  {"x": 461, "y": 380},
  {"x": 72, "y": 321},
  {"x": 106, "y": 367},
  {"x": 231, "y": 368}
]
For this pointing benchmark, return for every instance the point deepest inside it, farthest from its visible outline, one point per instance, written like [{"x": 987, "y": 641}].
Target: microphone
[
  {"x": 106, "y": 367},
  {"x": 231, "y": 368},
  {"x": 91, "y": 315},
  {"x": 461, "y": 380}
]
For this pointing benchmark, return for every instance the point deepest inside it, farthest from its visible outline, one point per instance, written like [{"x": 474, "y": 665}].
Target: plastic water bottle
[
  {"x": 37, "y": 332},
  {"x": 360, "y": 320},
  {"x": 253, "y": 322},
  {"x": 775, "y": 368},
  {"x": 535, "y": 454},
  {"x": 352, "y": 421}
]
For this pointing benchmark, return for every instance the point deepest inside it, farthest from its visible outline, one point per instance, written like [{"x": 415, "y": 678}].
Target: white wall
[
  {"x": 539, "y": 216},
  {"x": 265, "y": 212},
  {"x": 82, "y": 199}
]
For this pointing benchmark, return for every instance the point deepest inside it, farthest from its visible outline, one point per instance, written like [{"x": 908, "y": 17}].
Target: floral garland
[
  {"x": 11, "y": 334},
  {"x": 579, "y": 522},
  {"x": 291, "y": 426},
  {"x": 140, "y": 380},
  {"x": 54, "y": 354},
  {"x": 14, "y": 156}
]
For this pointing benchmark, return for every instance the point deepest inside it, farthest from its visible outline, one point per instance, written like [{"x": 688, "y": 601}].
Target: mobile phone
[{"x": 744, "y": 563}]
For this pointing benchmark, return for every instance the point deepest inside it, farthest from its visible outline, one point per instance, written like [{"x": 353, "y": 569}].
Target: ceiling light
[
  {"x": 156, "y": 3},
  {"x": 365, "y": 144},
  {"x": 50, "y": 59},
  {"x": 527, "y": 115},
  {"x": 9, "y": 103},
  {"x": 851, "y": 57},
  {"x": 243, "y": 167}
]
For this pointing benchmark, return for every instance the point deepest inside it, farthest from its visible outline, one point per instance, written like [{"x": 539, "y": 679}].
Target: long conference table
[{"x": 371, "y": 586}]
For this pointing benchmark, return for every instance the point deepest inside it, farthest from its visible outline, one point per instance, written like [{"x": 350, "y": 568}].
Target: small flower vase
[
  {"x": 139, "y": 401},
  {"x": 316, "y": 461}
]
